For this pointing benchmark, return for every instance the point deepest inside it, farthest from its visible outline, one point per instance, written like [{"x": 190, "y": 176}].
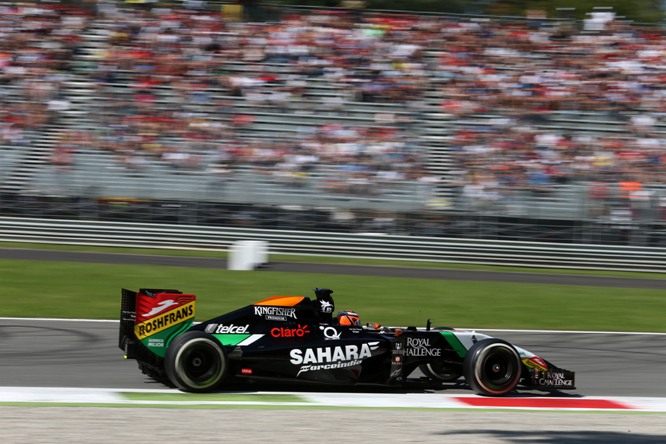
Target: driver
[{"x": 349, "y": 318}]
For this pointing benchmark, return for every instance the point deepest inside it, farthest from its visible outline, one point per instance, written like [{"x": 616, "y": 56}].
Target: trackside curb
[{"x": 47, "y": 396}]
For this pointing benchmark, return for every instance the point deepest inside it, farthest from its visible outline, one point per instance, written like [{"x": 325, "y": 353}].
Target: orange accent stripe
[{"x": 281, "y": 301}]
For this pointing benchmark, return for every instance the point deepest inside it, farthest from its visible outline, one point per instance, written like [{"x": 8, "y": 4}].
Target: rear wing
[{"x": 149, "y": 319}]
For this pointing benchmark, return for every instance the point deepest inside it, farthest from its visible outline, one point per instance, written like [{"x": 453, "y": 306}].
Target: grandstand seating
[
  {"x": 98, "y": 172},
  {"x": 428, "y": 128}
]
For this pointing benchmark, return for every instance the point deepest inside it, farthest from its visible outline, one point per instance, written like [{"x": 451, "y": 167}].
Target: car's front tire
[
  {"x": 492, "y": 367},
  {"x": 195, "y": 362}
]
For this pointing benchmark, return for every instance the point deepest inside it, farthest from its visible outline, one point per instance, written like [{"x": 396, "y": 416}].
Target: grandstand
[{"x": 261, "y": 127}]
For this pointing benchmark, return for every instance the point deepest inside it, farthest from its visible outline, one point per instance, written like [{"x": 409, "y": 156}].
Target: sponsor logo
[
  {"x": 275, "y": 313},
  {"x": 330, "y": 332},
  {"x": 299, "y": 332},
  {"x": 222, "y": 329},
  {"x": 164, "y": 321},
  {"x": 153, "y": 342},
  {"x": 420, "y": 347},
  {"x": 161, "y": 307},
  {"x": 246, "y": 371},
  {"x": 329, "y": 358},
  {"x": 554, "y": 379},
  {"x": 536, "y": 362},
  {"x": 325, "y": 307}
]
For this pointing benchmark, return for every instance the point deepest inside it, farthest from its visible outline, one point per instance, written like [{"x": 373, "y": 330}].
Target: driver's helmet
[{"x": 349, "y": 318}]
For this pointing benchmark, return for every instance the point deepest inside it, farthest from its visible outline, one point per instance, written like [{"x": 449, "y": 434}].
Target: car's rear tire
[
  {"x": 492, "y": 367},
  {"x": 195, "y": 362},
  {"x": 441, "y": 371}
]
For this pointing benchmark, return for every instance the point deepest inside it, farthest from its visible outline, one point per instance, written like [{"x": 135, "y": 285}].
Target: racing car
[{"x": 298, "y": 340}]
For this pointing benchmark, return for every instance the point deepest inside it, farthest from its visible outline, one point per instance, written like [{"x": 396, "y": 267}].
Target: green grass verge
[{"x": 85, "y": 290}]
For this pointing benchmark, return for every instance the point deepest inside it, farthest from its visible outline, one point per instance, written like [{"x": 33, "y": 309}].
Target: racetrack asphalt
[
  {"x": 348, "y": 269},
  {"x": 62, "y": 354},
  {"x": 79, "y": 353},
  {"x": 50, "y": 353}
]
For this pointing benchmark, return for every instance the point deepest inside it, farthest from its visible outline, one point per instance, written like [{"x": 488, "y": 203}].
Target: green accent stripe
[
  {"x": 213, "y": 397},
  {"x": 183, "y": 327},
  {"x": 455, "y": 343},
  {"x": 231, "y": 339}
]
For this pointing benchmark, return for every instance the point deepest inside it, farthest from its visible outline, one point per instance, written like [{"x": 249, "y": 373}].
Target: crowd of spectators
[
  {"x": 522, "y": 75},
  {"x": 173, "y": 85},
  {"x": 37, "y": 45},
  {"x": 169, "y": 83}
]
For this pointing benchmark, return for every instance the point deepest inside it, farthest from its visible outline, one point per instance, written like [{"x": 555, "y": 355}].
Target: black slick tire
[
  {"x": 492, "y": 367},
  {"x": 195, "y": 362}
]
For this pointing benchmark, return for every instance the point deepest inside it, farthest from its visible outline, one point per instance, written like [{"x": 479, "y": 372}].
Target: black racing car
[{"x": 295, "y": 339}]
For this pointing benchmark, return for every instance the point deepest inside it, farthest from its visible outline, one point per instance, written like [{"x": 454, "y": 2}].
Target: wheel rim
[
  {"x": 201, "y": 365},
  {"x": 499, "y": 368}
]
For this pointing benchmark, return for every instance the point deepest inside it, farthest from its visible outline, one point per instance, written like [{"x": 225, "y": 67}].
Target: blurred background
[{"x": 517, "y": 120}]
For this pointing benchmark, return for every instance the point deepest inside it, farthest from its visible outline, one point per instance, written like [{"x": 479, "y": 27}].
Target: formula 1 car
[{"x": 297, "y": 340}]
